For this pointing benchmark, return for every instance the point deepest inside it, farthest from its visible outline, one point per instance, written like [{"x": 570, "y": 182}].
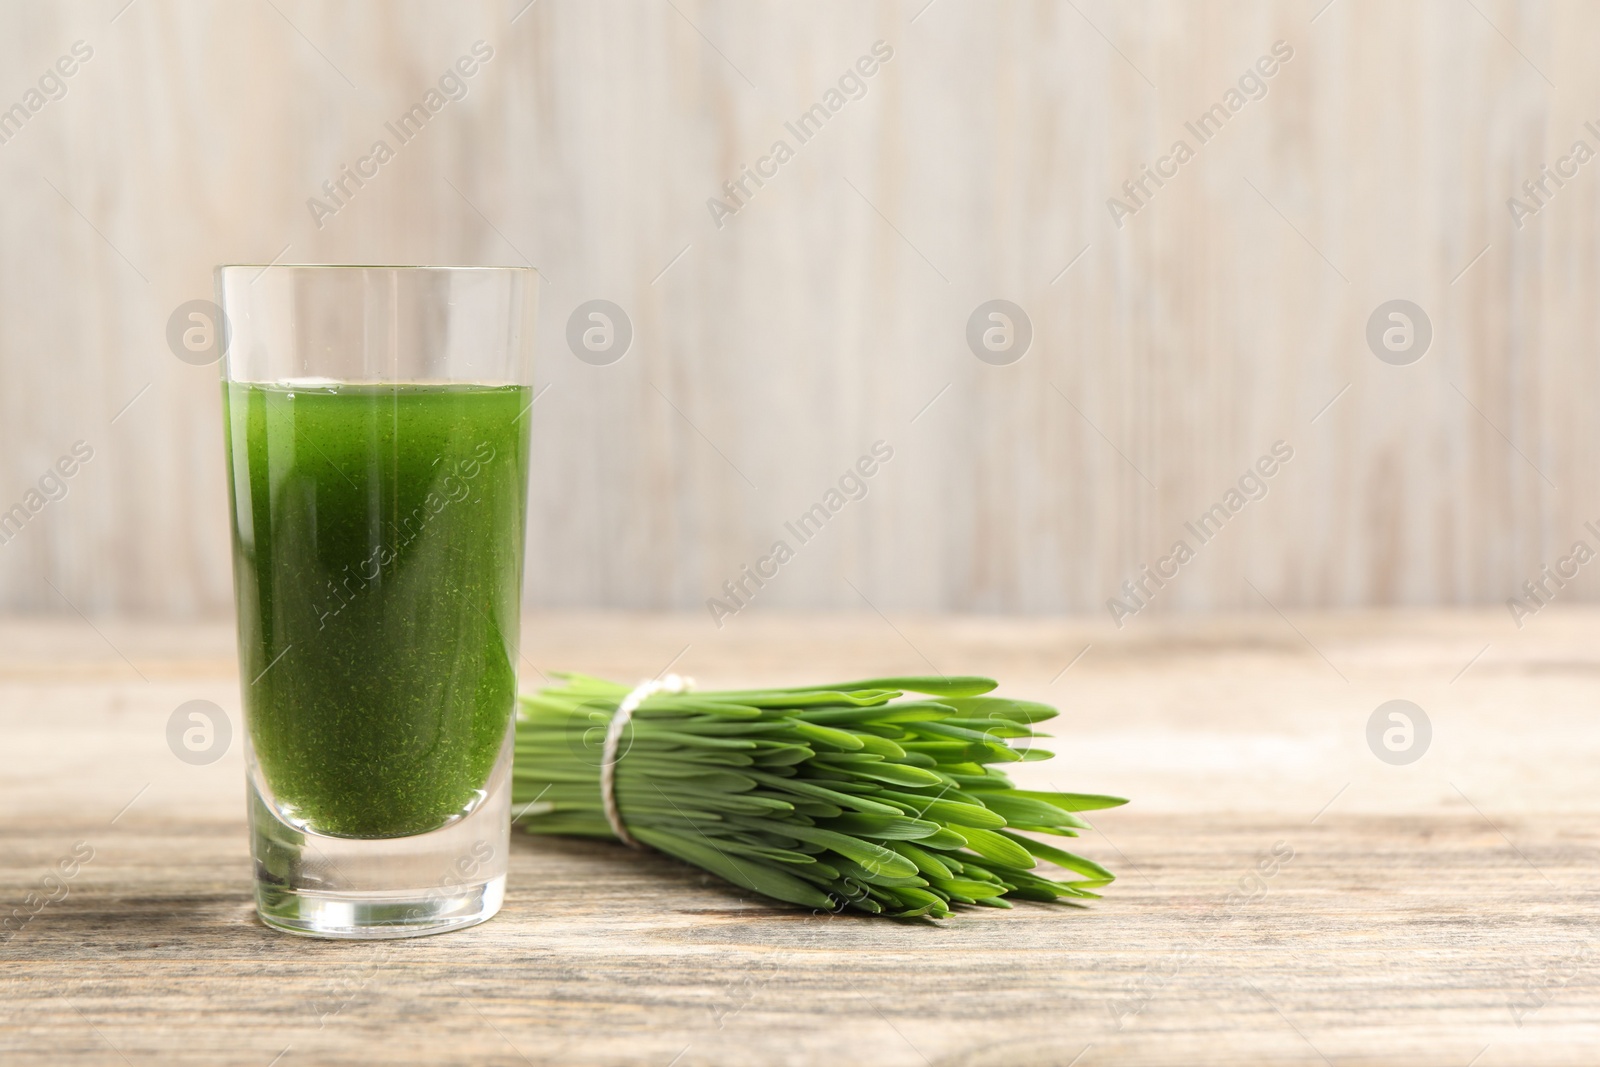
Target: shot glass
[{"x": 376, "y": 431}]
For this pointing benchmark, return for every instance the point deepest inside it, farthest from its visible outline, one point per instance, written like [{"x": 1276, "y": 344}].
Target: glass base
[
  {"x": 374, "y": 916},
  {"x": 319, "y": 885}
]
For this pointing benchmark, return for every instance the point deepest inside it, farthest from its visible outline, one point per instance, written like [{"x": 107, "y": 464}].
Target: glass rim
[{"x": 372, "y": 266}]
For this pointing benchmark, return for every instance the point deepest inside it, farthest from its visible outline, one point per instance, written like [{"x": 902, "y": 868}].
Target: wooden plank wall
[{"x": 772, "y": 351}]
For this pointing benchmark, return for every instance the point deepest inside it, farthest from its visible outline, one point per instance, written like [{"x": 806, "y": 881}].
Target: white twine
[{"x": 672, "y": 683}]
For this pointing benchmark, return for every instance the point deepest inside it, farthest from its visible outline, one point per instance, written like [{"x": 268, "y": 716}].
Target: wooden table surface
[{"x": 1441, "y": 912}]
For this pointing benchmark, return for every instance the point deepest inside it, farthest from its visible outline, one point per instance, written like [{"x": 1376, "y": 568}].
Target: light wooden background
[{"x": 831, "y": 310}]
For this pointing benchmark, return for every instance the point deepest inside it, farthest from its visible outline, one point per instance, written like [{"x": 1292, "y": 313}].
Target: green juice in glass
[{"x": 378, "y": 533}]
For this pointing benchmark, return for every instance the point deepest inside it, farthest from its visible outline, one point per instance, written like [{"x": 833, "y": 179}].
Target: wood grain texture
[
  {"x": 1429, "y": 914},
  {"x": 830, "y": 310}
]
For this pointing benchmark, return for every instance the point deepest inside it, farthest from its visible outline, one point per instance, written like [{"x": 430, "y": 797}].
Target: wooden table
[{"x": 1441, "y": 912}]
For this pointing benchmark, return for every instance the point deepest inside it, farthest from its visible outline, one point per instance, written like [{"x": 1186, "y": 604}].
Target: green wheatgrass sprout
[{"x": 828, "y": 796}]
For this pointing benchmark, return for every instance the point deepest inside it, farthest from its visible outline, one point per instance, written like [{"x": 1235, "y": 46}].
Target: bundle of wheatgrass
[{"x": 826, "y": 796}]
